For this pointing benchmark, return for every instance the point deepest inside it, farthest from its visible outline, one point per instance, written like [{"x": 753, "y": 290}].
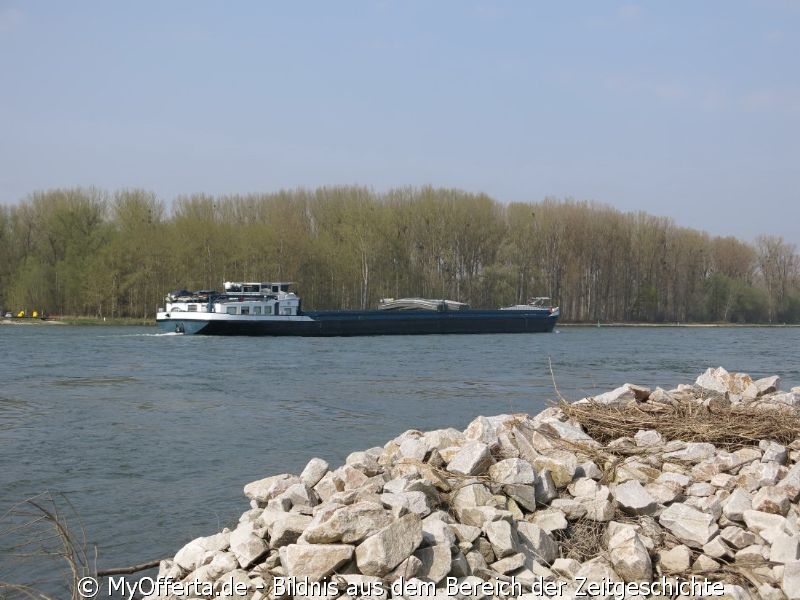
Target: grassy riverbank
[{"x": 77, "y": 320}]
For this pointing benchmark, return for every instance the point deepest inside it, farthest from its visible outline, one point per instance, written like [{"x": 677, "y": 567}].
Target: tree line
[{"x": 91, "y": 252}]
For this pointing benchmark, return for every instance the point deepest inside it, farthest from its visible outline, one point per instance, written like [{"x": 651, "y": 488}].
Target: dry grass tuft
[
  {"x": 582, "y": 539},
  {"x": 727, "y": 427}
]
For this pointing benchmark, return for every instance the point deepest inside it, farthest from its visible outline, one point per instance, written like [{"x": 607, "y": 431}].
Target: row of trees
[{"x": 88, "y": 252}]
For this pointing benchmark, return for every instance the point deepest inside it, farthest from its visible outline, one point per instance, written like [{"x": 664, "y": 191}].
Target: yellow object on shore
[
  {"x": 21, "y": 313},
  {"x": 35, "y": 314}
]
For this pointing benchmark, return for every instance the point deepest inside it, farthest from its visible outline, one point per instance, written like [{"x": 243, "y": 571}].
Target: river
[{"x": 151, "y": 437}]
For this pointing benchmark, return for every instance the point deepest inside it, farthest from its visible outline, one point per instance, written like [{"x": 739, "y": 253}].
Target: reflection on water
[{"x": 153, "y": 435}]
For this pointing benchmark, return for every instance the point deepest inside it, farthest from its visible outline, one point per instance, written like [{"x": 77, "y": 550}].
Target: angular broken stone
[
  {"x": 737, "y": 503},
  {"x": 544, "y": 487},
  {"x": 675, "y": 560},
  {"x": 537, "y": 542},
  {"x": 524, "y": 495},
  {"x": 694, "y": 452},
  {"x": 509, "y": 563},
  {"x": 189, "y": 557},
  {"x": 436, "y": 562},
  {"x": 634, "y": 499},
  {"x": 772, "y": 499},
  {"x": 631, "y": 561},
  {"x": 314, "y": 561},
  {"x": 512, "y": 470},
  {"x": 286, "y": 530},
  {"x": 348, "y": 524},
  {"x": 474, "y": 458},
  {"x": 313, "y": 472},
  {"x": 550, "y": 520},
  {"x": 738, "y": 537},
  {"x": 561, "y": 465},
  {"x": 502, "y": 537},
  {"x": 785, "y": 548},
  {"x": 246, "y": 545},
  {"x": 266, "y": 489},
  {"x": 689, "y": 525},
  {"x": 647, "y": 438},
  {"x": 384, "y": 550}
]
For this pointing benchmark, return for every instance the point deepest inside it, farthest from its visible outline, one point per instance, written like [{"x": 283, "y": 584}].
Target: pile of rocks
[{"x": 522, "y": 500}]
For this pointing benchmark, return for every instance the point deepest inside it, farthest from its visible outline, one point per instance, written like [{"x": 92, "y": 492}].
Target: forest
[{"x": 92, "y": 252}]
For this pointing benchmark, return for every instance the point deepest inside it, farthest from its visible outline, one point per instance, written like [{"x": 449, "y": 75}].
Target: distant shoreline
[
  {"x": 95, "y": 321},
  {"x": 674, "y": 325}
]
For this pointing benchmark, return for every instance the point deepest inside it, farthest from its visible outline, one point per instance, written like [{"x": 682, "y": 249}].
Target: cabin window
[
  {"x": 231, "y": 310},
  {"x": 192, "y": 308},
  {"x": 256, "y": 310},
  {"x": 251, "y": 289},
  {"x": 245, "y": 310}
]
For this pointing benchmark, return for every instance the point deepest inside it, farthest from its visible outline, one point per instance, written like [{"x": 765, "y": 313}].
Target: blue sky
[{"x": 683, "y": 109}]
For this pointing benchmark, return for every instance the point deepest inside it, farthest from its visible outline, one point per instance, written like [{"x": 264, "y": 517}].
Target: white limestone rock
[
  {"x": 675, "y": 560},
  {"x": 474, "y": 458},
  {"x": 384, "y": 550},
  {"x": 785, "y": 548},
  {"x": 648, "y": 438},
  {"x": 266, "y": 489},
  {"x": 634, "y": 499},
  {"x": 631, "y": 561},
  {"x": 572, "y": 508},
  {"x": 737, "y": 504},
  {"x": 772, "y": 499},
  {"x": 550, "y": 520},
  {"x": 502, "y": 537},
  {"x": 791, "y": 482},
  {"x": 509, "y": 563},
  {"x": 538, "y": 542},
  {"x": 583, "y": 486},
  {"x": 689, "y": 525},
  {"x": 314, "y": 470},
  {"x": 767, "y": 525},
  {"x": 192, "y": 555},
  {"x": 435, "y": 531},
  {"x": 705, "y": 564},
  {"x": 791, "y": 580},
  {"x": 717, "y": 548},
  {"x": 738, "y": 537},
  {"x": 406, "y": 502},
  {"x": 247, "y": 545},
  {"x": 513, "y": 471},
  {"x": 436, "y": 562},
  {"x": 560, "y": 463},
  {"x": 347, "y": 524},
  {"x": 566, "y": 567},
  {"x": 773, "y": 452},
  {"x": 524, "y": 495},
  {"x": 286, "y": 530},
  {"x": 314, "y": 561},
  {"x": 544, "y": 487},
  {"x": 565, "y": 431},
  {"x": 694, "y": 452}
]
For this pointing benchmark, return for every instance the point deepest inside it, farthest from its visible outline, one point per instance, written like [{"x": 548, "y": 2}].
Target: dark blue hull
[{"x": 375, "y": 322}]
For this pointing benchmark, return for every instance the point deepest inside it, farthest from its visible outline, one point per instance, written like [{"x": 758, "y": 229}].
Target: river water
[{"x": 151, "y": 437}]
